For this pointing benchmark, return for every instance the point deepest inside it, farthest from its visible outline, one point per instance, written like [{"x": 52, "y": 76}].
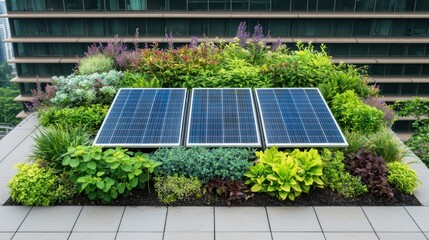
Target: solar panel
[
  {"x": 297, "y": 117},
  {"x": 144, "y": 117},
  {"x": 222, "y": 117}
]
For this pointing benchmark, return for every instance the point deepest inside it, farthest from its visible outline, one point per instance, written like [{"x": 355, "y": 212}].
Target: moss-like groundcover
[{"x": 368, "y": 172}]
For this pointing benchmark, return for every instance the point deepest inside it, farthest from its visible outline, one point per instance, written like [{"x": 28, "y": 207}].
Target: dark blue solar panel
[
  {"x": 144, "y": 117},
  {"x": 297, "y": 117},
  {"x": 222, "y": 117}
]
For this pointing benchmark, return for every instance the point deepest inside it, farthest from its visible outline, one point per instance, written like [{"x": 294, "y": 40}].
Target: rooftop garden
[{"x": 66, "y": 169}]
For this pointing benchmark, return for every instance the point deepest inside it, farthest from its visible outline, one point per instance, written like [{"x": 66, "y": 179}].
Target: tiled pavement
[{"x": 200, "y": 223}]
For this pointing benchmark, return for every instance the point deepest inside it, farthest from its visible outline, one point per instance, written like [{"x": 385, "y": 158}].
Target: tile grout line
[
  {"x": 32, "y": 131},
  {"x": 269, "y": 224},
  {"x": 214, "y": 222},
  {"x": 409, "y": 214},
  {"x": 75, "y": 221},
  {"x": 21, "y": 223},
  {"x": 165, "y": 223},
  {"x": 318, "y": 221},
  {"x": 120, "y": 222},
  {"x": 370, "y": 223}
]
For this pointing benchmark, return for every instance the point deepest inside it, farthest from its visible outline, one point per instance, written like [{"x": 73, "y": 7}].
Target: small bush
[
  {"x": 389, "y": 114},
  {"x": 204, "y": 163},
  {"x": 285, "y": 175},
  {"x": 88, "y": 117},
  {"x": 372, "y": 170},
  {"x": 352, "y": 114},
  {"x": 174, "y": 188},
  {"x": 51, "y": 143},
  {"x": 139, "y": 80},
  {"x": 337, "y": 178},
  {"x": 402, "y": 177},
  {"x": 230, "y": 190},
  {"x": 95, "y": 64},
  {"x": 104, "y": 175},
  {"x": 34, "y": 185}
]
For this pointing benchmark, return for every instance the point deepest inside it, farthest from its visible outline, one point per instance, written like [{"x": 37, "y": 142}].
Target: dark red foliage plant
[
  {"x": 230, "y": 190},
  {"x": 372, "y": 170}
]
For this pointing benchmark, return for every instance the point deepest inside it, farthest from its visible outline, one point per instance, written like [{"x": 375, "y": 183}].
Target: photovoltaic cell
[
  {"x": 147, "y": 117},
  {"x": 297, "y": 117},
  {"x": 222, "y": 117}
]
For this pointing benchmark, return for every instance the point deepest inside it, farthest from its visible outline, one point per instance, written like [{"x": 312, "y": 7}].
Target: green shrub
[
  {"x": 402, "y": 177},
  {"x": 139, "y": 80},
  {"x": 285, "y": 175},
  {"x": 81, "y": 90},
  {"x": 95, "y": 64},
  {"x": 51, "y": 143},
  {"x": 34, "y": 185},
  {"x": 230, "y": 190},
  {"x": 337, "y": 178},
  {"x": 352, "y": 114},
  {"x": 174, "y": 188},
  {"x": 88, "y": 117},
  {"x": 204, "y": 163},
  {"x": 105, "y": 175}
]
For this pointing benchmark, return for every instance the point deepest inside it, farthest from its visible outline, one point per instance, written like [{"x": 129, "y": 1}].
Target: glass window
[
  {"x": 365, "y": 5},
  {"x": 197, "y": 5},
  {"x": 396, "y": 50},
  {"x": 402, "y": 27},
  {"x": 405, "y": 5},
  {"x": 422, "y": 5},
  {"x": 381, "y": 28},
  {"x": 423, "y": 89},
  {"x": 140, "y": 5},
  {"x": 118, "y": 27},
  {"x": 59, "y": 49},
  {"x": 26, "y": 69},
  {"x": 312, "y": 5},
  {"x": 74, "y": 5},
  {"x": 401, "y": 126},
  {"x": 409, "y": 89},
  {"x": 20, "y": 27},
  {"x": 41, "y": 50},
  {"x": 390, "y": 88},
  {"x": 427, "y": 50},
  {"x": 240, "y": 5},
  {"x": 412, "y": 69},
  {"x": 63, "y": 69},
  {"x": 38, "y": 27},
  {"x": 259, "y": 5},
  {"x": 420, "y": 28},
  {"x": 35, "y": 5},
  {"x": 339, "y": 50},
  {"x": 224, "y": 5},
  {"x": 133, "y": 24},
  {"x": 303, "y": 27},
  {"x": 345, "y": 5},
  {"x": 416, "y": 50},
  {"x": 115, "y": 5},
  {"x": 377, "y": 69},
  {"x": 78, "y": 49},
  {"x": 361, "y": 28},
  {"x": 177, "y": 27},
  {"x": 44, "y": 70},
  {"x": 23, "y": 49},
  {"x": 157, "y": 5},
  {"x": 299, "y": 5},
  {"x": 234, "y": 23},
  {"x": 94, "y": 5},
  {"x": 76, "y": 27},
  {"x": 16, "y": 5},
  {"x": 323, "y": 27},
  {"x": 280, "y": 5},
  {"x": 425, "y": 70},
  {"x": 156, "y": 27},
  {"x": 279, "y": 27},
  {"x": 394, "y": 69},
  {"x": 25, "y": 88},
  {"x": 54, "y": 5},
  {"x": 198, "y": 27},
  {"x": 326, "y": 5},
  {"x": 177, "y": 4},
  {"x": 56, "y": 27},
  {"x": 218, "y": 27},
  {"x": 385, "y": 6},
  {"x": 342, "y": 28},
  {"x": 378, "y": 50},
  {"x": 96, "y": 27},
  {"x": 359, "y": 50}
]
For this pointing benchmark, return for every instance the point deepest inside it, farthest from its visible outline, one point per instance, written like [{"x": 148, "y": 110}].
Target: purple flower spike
[
  {"x": 242, "y": 34},
  {"x": 277, "y": 44},
  {"x": 170, "y": 41},
  {"x": 194, "y": 42},
  {"x": 258, "y": 33}
]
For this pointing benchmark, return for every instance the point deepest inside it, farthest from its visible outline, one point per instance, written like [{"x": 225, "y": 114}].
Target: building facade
[
  {"x": 6, "y": 51},
  {"x": 390, "y": 36}
]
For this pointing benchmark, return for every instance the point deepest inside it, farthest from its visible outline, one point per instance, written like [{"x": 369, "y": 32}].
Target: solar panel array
[
  {"x": 297, "y": 117},
  {"x": 289, "y": 117},
  {"x": 222, "y": 117},
  {"x": 144, "y": 118}
]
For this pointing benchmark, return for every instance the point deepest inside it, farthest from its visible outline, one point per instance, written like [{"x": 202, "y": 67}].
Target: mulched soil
[{"x": 316, "y": 197}]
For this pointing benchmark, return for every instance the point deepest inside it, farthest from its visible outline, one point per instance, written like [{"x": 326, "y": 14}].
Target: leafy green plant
[
  {"x": 372, "y": 170},
  {"x": 95, "y": 64},
  {"x": 34, "y": 185},
  {"x": 105, "y": 175},
  {"x": 176, "y": 188},
  {"x": 139, "y": 80},
  {"x": 337, "y": 178},
  {"x": 402, "y": 177},
  {"x": 351, "y": 113},
  {"x": 285, "y": 175},
  {"x": 230, "y": 190},
  {"x": 88, "y": 117},
  {"x": 51, "y": 143},
  {"x": 204, "y": 163}
]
